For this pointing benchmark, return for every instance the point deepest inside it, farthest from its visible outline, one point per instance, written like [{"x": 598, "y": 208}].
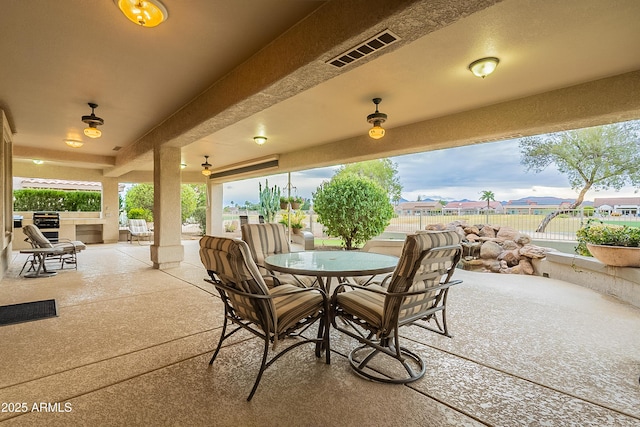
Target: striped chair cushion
[
  {"x": 291, "y": 308},
  {"x": 367, "y": 306},
  {"x": 231, "y": 260},
  {"x": 264, "y": 240},
  {"x": 269, "y": 239},
  {"x": 415, "y": 272}
]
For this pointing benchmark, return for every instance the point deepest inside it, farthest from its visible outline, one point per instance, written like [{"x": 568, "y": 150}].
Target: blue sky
[{"x": 451, "y": 174}]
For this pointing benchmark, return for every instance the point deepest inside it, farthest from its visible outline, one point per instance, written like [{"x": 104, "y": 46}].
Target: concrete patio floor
[{"x": 131, "y": 344}]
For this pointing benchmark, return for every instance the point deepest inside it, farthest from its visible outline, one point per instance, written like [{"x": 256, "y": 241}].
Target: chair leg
[
  {"x": 222, "y": 337},
  {"x": 262, "y": 369}
]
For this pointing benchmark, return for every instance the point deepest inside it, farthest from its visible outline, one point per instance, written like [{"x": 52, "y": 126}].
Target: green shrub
[
  {"x": 200, "y": 215},
  {"x": 140, "y": 213},
  {"x": 57, "y": 200}
]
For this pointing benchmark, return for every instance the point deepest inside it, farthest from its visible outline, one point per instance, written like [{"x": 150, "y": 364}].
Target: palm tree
[{"x": 489, "y": 197}]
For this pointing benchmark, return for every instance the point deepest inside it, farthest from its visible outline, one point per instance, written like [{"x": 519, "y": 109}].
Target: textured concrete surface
[{"x": 131, "y": 346}]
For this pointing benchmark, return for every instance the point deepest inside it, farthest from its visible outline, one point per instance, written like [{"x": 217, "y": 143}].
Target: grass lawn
[{"x": 635, "y": 223}]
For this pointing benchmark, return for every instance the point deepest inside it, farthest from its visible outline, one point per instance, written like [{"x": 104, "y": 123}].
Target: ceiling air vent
[{"x": 374, "y": 44}]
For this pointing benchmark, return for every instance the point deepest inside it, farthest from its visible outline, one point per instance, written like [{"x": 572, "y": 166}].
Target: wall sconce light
[
  {"x": 377, "y": 118},
  {"x": 484, "y": 66},
  {"x": 206, "y": 165},
  {"x": 260, "y": 139},
  {"x": 93, "y": 122},
  {"x": 38, "y": 161},
  {"x": 73, "y": 143},
  {"x": 146, "y": 13}
]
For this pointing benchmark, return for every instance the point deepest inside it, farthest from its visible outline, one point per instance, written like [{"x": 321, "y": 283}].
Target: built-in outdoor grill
[{"x": 47, "y": 222}]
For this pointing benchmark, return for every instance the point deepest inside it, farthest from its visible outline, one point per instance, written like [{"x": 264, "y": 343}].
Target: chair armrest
[
  {"x": 396, "y": 294},
  {"x": 265, "y": 297}
]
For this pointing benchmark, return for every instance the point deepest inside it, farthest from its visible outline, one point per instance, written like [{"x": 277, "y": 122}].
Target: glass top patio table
[{"x": 328, "y": 264}]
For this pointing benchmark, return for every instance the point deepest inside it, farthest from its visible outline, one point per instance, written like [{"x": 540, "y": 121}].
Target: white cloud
[{"x": 451, "y": 174}]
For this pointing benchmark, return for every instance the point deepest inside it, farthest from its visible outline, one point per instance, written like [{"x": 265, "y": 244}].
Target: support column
[
  {"x": 167, "y": 250},
  {"x": 110, "y": 210},
  {"x": 214, "y": 209}
]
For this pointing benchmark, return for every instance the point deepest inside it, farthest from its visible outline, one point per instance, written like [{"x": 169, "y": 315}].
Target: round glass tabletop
[{"x": 332, "y": 263}]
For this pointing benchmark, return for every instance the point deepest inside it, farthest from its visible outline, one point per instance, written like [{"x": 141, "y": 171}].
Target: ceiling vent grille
[{"x": 369, "y": 47}]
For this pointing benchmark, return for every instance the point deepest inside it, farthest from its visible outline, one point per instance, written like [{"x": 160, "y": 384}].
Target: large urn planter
[{"x": 616, "y": 256}]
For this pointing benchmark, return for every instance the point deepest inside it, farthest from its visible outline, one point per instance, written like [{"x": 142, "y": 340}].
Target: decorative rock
[
  {"x": 523, "y": 239},
  {"x": 508, "y": 245},
  {"x": 533, "y": 251},
  {"x": 473, "y": 237},
  {"x": 525, "y": 266},
  {"x": 487, "y": 231},
  {"x": 511, "y": 257},
  {"x": 507, "y": 233},
  {"x": 490, "y": 250},
  {"x": 471, "y": 230},
  {"x": 435, "y": 227}
]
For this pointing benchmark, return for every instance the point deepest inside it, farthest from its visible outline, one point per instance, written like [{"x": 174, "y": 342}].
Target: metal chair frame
[
  {"x": 264, "y": 330},
  {"x": 379, "y": 342}
]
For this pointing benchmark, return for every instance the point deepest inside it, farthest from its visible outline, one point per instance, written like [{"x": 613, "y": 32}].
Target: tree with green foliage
[
  {"x": 353, "y": 208},
  {"x": 139, "y": 196},
  {"x": 489, "y": 197},
  {"x": 382, "y": 171},
  {"x": 269, "y": 201},
  {"x": 601, "y": 158}
]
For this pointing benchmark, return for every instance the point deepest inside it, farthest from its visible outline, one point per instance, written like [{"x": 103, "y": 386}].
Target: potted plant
[
  {"x": 614, "y": 245},
  {"x": 296, "y": 202},
  {"x": 284, "y": 201},
  {"x": 297, "y": 223}
]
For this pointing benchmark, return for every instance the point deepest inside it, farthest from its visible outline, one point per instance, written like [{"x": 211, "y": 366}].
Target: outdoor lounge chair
[
  {"x": 138, "y": 229},
  {"x": 269, "y": 239},
  {"x": 66, "y": 253},
  {"x": 417, "y": 292},
  {"x": 271, "y": 314}
]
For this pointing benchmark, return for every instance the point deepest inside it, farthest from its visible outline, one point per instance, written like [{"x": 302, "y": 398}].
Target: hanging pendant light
[
  {"x": 93, "y": 122},
  {"x": 377, "y": 118},
  {"x": 206, "y": 165},
  {"x": 146, "y": 13}
]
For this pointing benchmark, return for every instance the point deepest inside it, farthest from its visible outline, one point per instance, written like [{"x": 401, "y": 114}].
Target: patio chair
[
  {"x": 269, "y": 239},
  {"x": 417, "y": 292},
  {"x": 271, "y": 314},
  {"x": 138, "y": 228},
  {"x": 66, "y": 253}
]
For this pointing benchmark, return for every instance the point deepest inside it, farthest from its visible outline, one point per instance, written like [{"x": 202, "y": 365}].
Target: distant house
[
  {"x": 618, "y": 205},
  {"x": 472, "y": 208},
  {"x": 539, "y": 206},
  {"x": 418, "y": 208}
]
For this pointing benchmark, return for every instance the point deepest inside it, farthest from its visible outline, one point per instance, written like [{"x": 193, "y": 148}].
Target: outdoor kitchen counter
[{"x": 84, "y": 228}]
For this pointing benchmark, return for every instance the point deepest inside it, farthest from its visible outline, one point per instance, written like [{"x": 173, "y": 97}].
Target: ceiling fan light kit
[
  {"x": 92, "y": 122},
  {"x": 376, "y": 119},
  {"x": 146, "y": 13},
  {"x": 206, "y": 171}
]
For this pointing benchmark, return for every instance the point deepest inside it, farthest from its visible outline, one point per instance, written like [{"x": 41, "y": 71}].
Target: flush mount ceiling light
[
  {"x": 146, "y": 13},
  {"x": 73, "y": 143},
  {"x": 260, "y": 139},
  {"x": 93, "y": 122},
  {"x": 484, "y": 66},
  {"x": 38, "y": 161},
  {"x": 377, "y": 118},
  {"x": 206, "y": 165},
  {"x": 183, "y": 165}
]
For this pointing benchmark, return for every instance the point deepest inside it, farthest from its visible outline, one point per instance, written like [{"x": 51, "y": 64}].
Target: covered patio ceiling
[{"x": 218, "y": 73}]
